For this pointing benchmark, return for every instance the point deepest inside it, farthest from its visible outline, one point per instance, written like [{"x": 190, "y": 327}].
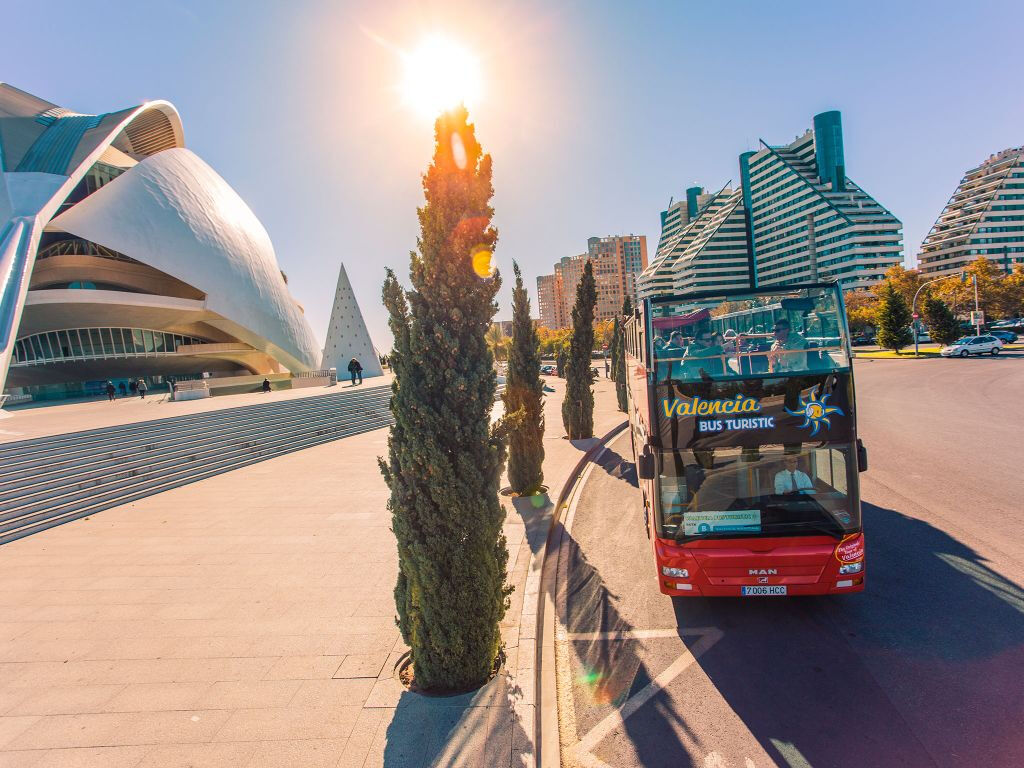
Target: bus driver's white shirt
[{"x": 788, "y": 482}]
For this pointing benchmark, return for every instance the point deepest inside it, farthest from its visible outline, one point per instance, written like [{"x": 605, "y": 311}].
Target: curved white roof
[{"x": 173, "y": 212}]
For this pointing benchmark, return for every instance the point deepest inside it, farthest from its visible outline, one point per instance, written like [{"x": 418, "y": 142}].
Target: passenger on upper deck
[
  {"x": 704, "y": 346},
  {"x": 787, "y": 350}
]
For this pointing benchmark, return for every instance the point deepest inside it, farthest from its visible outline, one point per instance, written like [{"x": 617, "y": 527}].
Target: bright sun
[{"x": 439, "y": 74}]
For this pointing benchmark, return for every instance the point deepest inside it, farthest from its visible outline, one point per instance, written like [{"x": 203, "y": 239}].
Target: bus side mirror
[
  {"x": 645, "y": 465},
  {"x": 862, "y": 456}
]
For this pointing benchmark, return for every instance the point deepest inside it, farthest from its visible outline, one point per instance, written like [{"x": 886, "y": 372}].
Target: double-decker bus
[{"x": 743, "y": 421}]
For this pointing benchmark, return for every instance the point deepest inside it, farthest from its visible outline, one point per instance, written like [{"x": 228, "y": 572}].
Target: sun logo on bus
[{"x": 815, "y": 411}]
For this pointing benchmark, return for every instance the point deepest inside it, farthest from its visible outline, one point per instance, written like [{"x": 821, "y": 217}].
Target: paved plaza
[{"x": 248, "y": 620}]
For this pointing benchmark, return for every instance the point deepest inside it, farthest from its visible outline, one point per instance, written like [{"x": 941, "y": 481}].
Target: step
[
  {"x": 43, "y": 445},
  {"x": 69, "y": 515},
  {"x": 31, "y": 490},
  {"x": 186, "y": 474},
  {"x": 89, "y": 458}
]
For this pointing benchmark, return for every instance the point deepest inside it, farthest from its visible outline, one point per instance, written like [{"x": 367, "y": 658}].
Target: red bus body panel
[{"x": 805, "y": 565}]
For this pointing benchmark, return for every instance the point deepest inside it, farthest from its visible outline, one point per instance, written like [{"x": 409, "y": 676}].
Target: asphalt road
[{"x": 925, "y": 668}]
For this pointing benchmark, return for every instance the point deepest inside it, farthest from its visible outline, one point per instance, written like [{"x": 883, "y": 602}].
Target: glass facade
[{"x": 93, "y": 343}]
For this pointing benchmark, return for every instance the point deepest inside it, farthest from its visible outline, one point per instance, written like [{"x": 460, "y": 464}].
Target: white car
[{"x": 972, "y": 345}]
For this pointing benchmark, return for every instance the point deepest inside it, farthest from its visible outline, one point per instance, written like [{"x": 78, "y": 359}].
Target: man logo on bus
[{"x": 815, "y": 411}]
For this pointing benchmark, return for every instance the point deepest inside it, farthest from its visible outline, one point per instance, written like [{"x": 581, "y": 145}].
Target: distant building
[
  {"x": 617, "y": 263},
  {"x": 984, "y": 217},
  {"x": 802, "y": 220}
]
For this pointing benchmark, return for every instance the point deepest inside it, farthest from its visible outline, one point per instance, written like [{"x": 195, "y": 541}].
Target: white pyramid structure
[{"x": 347, "y": 336}]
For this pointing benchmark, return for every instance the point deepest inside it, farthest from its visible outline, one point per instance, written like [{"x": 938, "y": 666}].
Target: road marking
[
  {"x": 632, "y": 634},
  {"x": 790, "y": 754}
]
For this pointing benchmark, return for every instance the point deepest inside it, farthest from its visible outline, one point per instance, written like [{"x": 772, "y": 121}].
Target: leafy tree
[
  {"x": 904, "y": 281},
  {"x": 893, "y": 319},
  {"x": 578, "y": 405},
  {"x": 603, "y": 332},
  {"x": 861, "y": 310},
  {"x": 620, "y": 357},
  {"x": 942, "y": 325},
  {"x": 444, "y": 459},
  {"x": 523, "y": 395}
]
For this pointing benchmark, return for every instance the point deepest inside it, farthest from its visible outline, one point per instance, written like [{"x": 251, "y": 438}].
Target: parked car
[
  {"x": 972, "y": 345},
  {"x": 547, "y": 370},
  {"x": 1007, "y": 337},
  {"x": 862, "y": 339},
  {"x": 923, "y": 337}
]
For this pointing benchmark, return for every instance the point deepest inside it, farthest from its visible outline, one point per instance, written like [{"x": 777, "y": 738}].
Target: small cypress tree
[
  {"x": 620, "y": 357},
  {"x": 444, "y": 459},
  {"x": 560, "y": 358},
  {"x": 942, "y": 325},
  {"x": 578, "y": 405},
  {"x": 523, "y": 394},
  {"x": 893, "y": 319}
]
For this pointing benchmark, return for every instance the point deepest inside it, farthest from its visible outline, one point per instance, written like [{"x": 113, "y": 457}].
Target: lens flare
[
  {"x": 458, "y": 151},
  {"x": 483, "y": 263}
]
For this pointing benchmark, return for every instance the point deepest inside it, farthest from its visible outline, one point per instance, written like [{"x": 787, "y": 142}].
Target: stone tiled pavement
[{"x": 247, "y": 620}]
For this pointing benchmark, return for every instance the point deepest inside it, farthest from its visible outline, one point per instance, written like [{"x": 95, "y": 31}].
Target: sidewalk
[{"x": 248, "y": 620}]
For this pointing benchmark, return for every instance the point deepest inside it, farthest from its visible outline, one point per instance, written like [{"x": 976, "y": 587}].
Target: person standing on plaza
[
  {"x": 133, "y": 386},
  {"x": 111, "y": 390},
  {"x": 355, "y": 370},
  {"x": 142, "y": 388},
  {"x": 266, "y": 385}
]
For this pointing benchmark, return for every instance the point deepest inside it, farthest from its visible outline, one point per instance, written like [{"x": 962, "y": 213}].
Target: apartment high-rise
[
  {"x": 795, "y": 218},
  {"x": 703, "y": 245},
  {"x": 984, "y": 217},
  {"x": 617, "y": 263}
]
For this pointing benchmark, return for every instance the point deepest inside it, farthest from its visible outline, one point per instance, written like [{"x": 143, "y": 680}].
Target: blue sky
[{"x": 596, "y": 112}]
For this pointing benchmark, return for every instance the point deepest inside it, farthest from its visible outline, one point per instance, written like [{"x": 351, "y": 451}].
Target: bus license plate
[{"x": 751, "y": 591}]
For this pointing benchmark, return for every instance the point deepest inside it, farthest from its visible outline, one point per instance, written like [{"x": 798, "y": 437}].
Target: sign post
[{"x": 917, "y": 329}]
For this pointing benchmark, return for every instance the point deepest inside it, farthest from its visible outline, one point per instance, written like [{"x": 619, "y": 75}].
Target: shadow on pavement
[
  {"x": 924, "y": 668},
  {"x": 484, "y": 728},
  {"x": 612, "y": 670}
]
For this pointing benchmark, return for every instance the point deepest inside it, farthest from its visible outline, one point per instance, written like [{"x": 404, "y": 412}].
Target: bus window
[
  {"x": 756, "y": 336},
  {"x": 771, "y": 491}
]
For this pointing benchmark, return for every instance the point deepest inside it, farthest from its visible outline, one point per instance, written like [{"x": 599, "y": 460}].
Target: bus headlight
[
  {"x": 851, "y": 567},
  {"x": 678, "y": 573}
]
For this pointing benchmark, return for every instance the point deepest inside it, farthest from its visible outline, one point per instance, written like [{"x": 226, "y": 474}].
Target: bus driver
[{"x": 791, "y": 479}]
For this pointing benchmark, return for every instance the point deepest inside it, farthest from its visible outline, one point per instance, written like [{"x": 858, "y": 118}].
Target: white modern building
[
  {"x": 124, "y": 255},
  {"x": 984, "y": 217}
]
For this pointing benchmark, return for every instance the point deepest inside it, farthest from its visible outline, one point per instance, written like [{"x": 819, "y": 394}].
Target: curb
[{"x": 547, "y": 750}]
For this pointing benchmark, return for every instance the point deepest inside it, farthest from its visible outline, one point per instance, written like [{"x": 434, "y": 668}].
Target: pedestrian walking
[
  {"x": 123, "y": 388},
  {"x": 266, "y": 385},
  {"x": 142, "y": 389},
  {"x": 355, "y": 370},
  {"x": 111, "y": 391},
  {"x": 133, "y": 386}
]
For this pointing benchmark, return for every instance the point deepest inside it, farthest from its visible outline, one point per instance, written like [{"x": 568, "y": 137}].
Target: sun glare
[{"x": 440, "y": 74}]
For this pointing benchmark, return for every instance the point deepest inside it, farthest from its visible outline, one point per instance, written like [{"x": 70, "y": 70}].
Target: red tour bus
[{"x": 743, "y": 421}]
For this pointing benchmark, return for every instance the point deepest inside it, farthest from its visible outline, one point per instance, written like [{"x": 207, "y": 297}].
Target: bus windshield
[
  {"x": 773, "y": 490},
  {"x": 749, "y": 335}
]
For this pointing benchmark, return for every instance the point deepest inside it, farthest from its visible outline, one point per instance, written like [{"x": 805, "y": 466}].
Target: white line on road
[{"x": 631, "y": 634}]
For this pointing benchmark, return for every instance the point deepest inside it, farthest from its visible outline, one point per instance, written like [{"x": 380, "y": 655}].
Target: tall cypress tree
[
  {"x": 893, "y": 319},
  {"x": 620, "y": 356},
  {"x": 444, "y": 460},
  {"x": 578, "y": 405},
  {"x": 523, "y": 394}
]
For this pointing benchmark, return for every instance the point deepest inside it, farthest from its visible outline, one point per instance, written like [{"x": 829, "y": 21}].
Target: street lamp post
[{"x": 913, "y": 304}]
